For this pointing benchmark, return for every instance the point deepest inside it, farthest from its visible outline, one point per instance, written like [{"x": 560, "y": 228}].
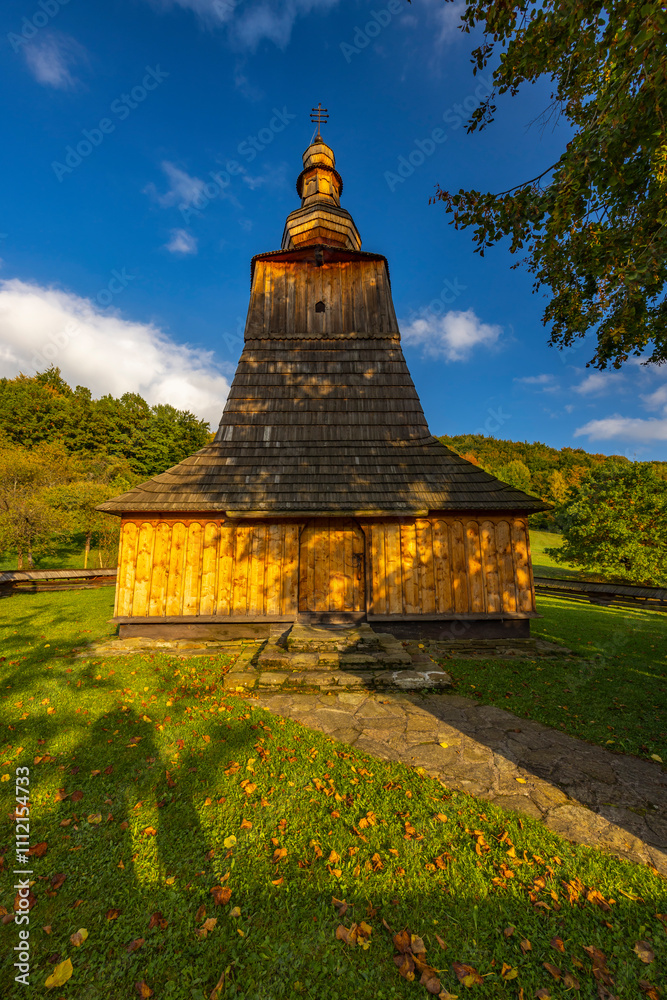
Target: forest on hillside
[
  {"x": 62, "y": 453},
  {"x": 553, "y": 474}
]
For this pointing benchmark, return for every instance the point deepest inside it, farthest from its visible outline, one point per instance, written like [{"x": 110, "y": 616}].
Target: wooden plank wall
[
  {"x": 436, "y": 565},
  {"x": 446, "y": 565},
  {"x": 202, "y": 567}
]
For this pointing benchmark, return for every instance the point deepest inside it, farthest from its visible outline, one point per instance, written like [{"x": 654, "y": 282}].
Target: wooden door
[{"x": 332, "y": 577}]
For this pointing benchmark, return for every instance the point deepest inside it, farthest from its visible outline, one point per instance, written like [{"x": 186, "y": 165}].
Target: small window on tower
[{"x": 320, "y": 307}]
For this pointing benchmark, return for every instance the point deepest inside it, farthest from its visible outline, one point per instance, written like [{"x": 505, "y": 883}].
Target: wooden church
[{"x": 323, "y": 497}]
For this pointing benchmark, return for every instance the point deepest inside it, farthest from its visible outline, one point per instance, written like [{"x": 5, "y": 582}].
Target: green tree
[
  {"x": 595, "y": 221},
  {"x": 516, "y": 473},
  {"x": 28, "y": 522},
  {"x": 77, "y": 502},
  {"x": 617, "y": 524}
]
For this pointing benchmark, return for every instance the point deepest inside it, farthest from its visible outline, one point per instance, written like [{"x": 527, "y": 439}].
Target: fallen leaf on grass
[
  {"x": 157, "y": 920},
  {"x": 38, "y": 850},
  {"x": 200, "y": 914},
  {"x": 557, "y": 943},
  {"x": 406, "y": 966},
  {"x": 525, "y": 945},
  {"x": 143, "y": 989},
  {"x": 543, "y": 994},
  {"x": 649, "y": 989},
  {"x": 341, "y": 905},
  {"x": 57, "y": 881},
  {"x": 133, "y": 945},
  {"x": 112, "y": 914},
  {"x": 208, "y": 925},
  {"x": 217, "y": 989},
  {"x": 78, "y": 937},
  {"x": 76, "y": 796},
  {"x": 150, "y": 831},
  {"x": 466, "y": 974},
  {"x": 507, "y": 972},
  {"x": 430, "y": 980},
  {"x": 279, "y": 853},
  {"x": 235, "y": 911},
  {"x": 440, "y": 941},
  {"x": 221, "y": 894},
  {"x": 553, "y": 970},
  {"x": 509, "y": 931},
  {"x": 347, "y": 934},
  {"x": 599, "y": 960},
  {"x": 32, "y": 899},
  {"x": 60, "y": 974},
  {"x": 246, "y": 825},
  {"x": 229, "y": 842},
  {"x": 642, "y": 950},
  {"x": 571, "y": 981},
  {"x": 95, "y": 818}
]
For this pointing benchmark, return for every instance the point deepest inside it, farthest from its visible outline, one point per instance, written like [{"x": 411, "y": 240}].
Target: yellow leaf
[
  {"x": 249, "y": 788},
  {"x": 145, "y": 718},
  {"x": 5, "y": 777},
  {"x": 95, "y": 818},
  {"x": 206, "y": 738},
  {"x": 277, "y": 881},
  {"x": 235, "y": 912},
  {"x": 170, "y": 880},
  {"x": 80, "y": 936},
  {"x": 444, "y": 745},
  {"x": 60, "y": 974},
  {"x": 654, "y": 756},
  {"x": 333, "y": 857},
  {"x": 50, "y": 710},
  {"x": 246, "y": 825},
  {"x": 229, "y": 841},
  {"x": 441, "y": 817},
  {"x": 522, "y": 781}
]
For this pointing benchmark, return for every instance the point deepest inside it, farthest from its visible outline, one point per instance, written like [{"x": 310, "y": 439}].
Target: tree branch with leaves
[{"x": 594, "y": 223}]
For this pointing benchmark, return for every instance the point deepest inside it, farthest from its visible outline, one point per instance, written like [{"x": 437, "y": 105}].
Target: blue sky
[{"x": 121, "y": 117}]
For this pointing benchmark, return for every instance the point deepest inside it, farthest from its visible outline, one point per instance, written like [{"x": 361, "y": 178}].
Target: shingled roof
[{"x": 322, "y": 416}]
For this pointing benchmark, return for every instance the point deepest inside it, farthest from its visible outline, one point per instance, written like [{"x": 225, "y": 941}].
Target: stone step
[{"x": 384, "y": 680}]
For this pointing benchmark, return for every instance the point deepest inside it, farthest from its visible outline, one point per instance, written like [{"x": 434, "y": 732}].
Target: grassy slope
[{"x": 148, "y": 741}]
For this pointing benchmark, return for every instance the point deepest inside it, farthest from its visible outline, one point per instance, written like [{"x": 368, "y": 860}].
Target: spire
[{"x": 320, "y": 220}]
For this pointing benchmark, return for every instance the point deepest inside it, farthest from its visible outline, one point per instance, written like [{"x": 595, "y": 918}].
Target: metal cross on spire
[{"x": 319, "y": 115}]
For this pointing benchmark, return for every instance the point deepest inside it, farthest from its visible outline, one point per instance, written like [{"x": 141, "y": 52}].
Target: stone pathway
[{"x": 585, "y": 793}]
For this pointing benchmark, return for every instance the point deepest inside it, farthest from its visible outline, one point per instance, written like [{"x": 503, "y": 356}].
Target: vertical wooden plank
[
  {"x": 474, "y": 560},
  {"x": 522, "y": 566},
  {"x": 359, "y": 568},
  {"x": 242, "y": 551},
  {"x": 174, "y": 602},
  {"x": 290, "y": 569},
  {"x": 321, "y": 565},
  {"x": 426, "y": 593},
  {"x": 224, "y": 585},
  {"x": 490, "y": 563},
  {"x": 158, "y": 591},
  {"x": 192, "y": 571},
  {"x": 394, "y": 578},
  {"x": 142, "y": 576},
  {"x": 209, "y": 569},
  {"x": 126, "y": 564},
  {"x": 507, "y": 581},
  {"x": 442, "y": 566},
  {"x": 459, "y": 569},
  {"x": 257, "y": 568},
  {"x": 337, "y": 547},
  {"x": 409, "y": 569},
  {"x": 378, "y": 604},
  {"x": 274, "y": 553}
]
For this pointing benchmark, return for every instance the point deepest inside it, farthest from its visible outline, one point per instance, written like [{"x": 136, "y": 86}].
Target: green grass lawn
[
  {"x": 150, "y": 788},
  {"x": 613, "y": 692},
  {"x": 544, "y": 565},
  {"x": 65, "y": 558}
]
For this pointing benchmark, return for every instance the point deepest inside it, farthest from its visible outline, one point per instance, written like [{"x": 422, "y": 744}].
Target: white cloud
[
  {"x": 547, "y": 383},
  {"x": 656, "y": 400},
  {"x": 598, "y": 383},
  {"x": 452, "y": 336},
  {"x": 50, "y": 60},
  {"x": 447, "y": 17},
  {"x": 181, "y": 242},
  {"x": 627, "y": 428},
  {"x": 93, "y": 347},
  {"x": 250, "y": 23},
  {"x": 183, "y": 189}
]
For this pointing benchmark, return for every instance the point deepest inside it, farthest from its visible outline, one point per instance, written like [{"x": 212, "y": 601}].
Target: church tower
[{"x": 323, "y": 497}]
